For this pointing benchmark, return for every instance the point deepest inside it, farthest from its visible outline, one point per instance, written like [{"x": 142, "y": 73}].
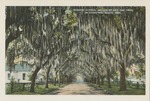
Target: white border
[{"x": 4, "y": 3}]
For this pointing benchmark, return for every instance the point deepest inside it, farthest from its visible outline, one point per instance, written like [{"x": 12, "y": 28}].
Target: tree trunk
[
  {"x": 12, "y": 86},
  {"x": 55, "y": 81},
  {"x": 122, "y": 79},
  {"x": 108, "y": 78},
  {"x": 102, "y": 80},
  {"x": 98, "y": 80},
  {"x": 56, "y": 78},
  {"x": 33, "y": 78},
  {"x": 67, "y": 79},
  {"x": 59, "y": 77},
  {"x": 7, "y": 44},
  {"x": 12, "y": 37},
  {"x": 47, "y": 76},
  {"x": 95, "y": 81}
]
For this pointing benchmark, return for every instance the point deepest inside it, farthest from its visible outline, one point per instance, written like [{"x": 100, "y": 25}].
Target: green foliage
[
  {"x": 39, "y": 90},
  {"x": 59, "y": 35},
  {"x": 16, "y": 87},
  {"x": 30, "y": 76},
  {"x": 11, "y": 57},
  {"x": 70, "y": 19},
  {"x": 117, "y": 20},
  {"x": 115, "y": 90}
]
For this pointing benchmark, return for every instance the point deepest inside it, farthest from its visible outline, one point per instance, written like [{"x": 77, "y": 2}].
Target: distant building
[{"x": 20, "y": 73}]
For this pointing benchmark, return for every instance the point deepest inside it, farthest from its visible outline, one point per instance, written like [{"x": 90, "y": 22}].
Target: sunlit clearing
[{"x": 79, "y": 79}]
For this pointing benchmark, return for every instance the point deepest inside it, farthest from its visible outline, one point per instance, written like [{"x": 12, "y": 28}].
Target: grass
[
  {"x": 115, "y": 90},
  {"x": 40, "y": 90}
]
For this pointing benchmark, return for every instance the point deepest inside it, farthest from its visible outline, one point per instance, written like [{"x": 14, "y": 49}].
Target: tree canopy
[{"x": 72, "y": 41}]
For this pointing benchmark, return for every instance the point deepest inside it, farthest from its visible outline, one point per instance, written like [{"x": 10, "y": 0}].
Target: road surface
[{"x": 78, "y": 89}]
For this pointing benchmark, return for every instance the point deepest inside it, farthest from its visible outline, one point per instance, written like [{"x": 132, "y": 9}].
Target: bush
[{"x": 13, "y": 87}]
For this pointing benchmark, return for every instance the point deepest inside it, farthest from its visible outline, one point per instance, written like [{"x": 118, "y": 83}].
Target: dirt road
[{"x": 78, "y": 89}]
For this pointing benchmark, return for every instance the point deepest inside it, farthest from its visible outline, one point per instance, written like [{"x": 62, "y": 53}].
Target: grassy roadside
[
  {"x": 114, "y": 90},
  {"x": 40, "y": 90}
]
